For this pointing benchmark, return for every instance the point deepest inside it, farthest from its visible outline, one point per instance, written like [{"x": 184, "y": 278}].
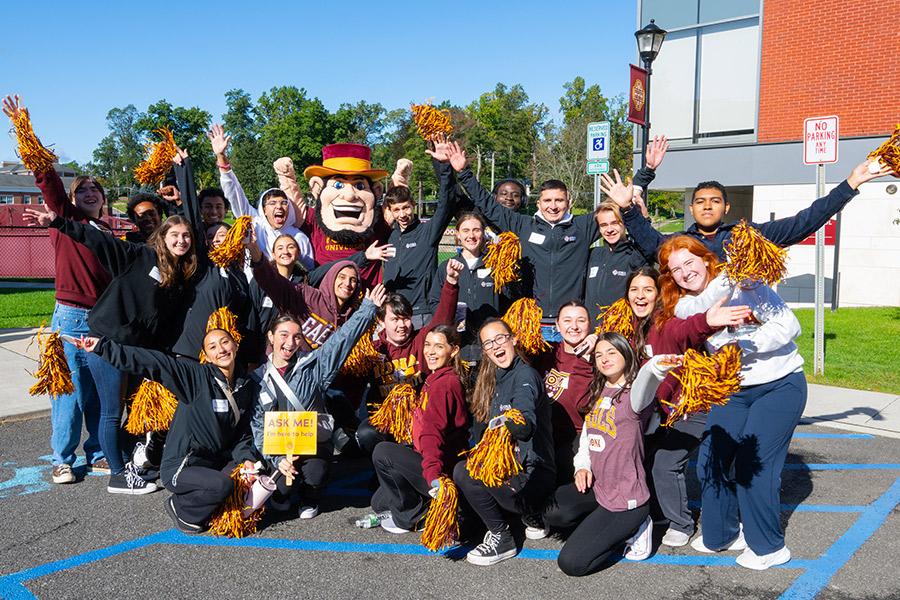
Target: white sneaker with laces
[
  {"x": 751, "y": 560},
  {"x": 139, "y": 456},
  {"x": 675, "y": 539},
  {"x": 640, "y": 545},
  {"x": 496, "y": 547},
  {"x": 309, "y": 512},
  {"x": 388, "y": 525},
  {"x": 738, "y": 544}
]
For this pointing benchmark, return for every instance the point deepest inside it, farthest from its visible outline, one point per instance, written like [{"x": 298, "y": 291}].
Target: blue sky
[{"x": 72, "y": 64}]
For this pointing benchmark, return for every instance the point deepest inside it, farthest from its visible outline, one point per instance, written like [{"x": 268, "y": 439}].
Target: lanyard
[
  {"x": 234, "y": 407},
  {"x": 278, "y": 380}
]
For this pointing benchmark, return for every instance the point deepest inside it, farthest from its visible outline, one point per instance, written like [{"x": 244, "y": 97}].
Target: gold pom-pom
[
  {"x": 229, "y": 519},
  {"x": 223, "y": 319},
  {"x": 705, "y": 381},
  {"x": 502, "y": 258},
  {"x": 888, "y": 153},
  {"x": 493, "y": 460},
  {"x": 617, "y": 318},
  {"x": 53, "y": 374},
  {"x": 431, "y": 121},
  {"x": 524, "y": 319},
  {"x": 394, "y": 415},
  {"x": 231, "y": 250},
  {"x": 152, "y": 408},
  {"x": 362, "y": 357},
  {"x": 441, "y": 523},
  {"x": 751, "y": 257},
  {"x": 33, "y": 154},
  {"x": 153, "y": 169}
]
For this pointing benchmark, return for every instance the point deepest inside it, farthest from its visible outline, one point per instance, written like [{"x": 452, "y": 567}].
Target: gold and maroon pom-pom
[
  {"x": 706, "y": 381},
  {"x": 524, "y": 319},
  {"x": 441, "y": 523},
  {"x": 502, "y": 258},
  {"x": 153, "y": 169},
  {"x": 362, "y": 357},
  {"x": 222, "y": 318},
  {"x": 617, "y": 318},
  {"x": 229, "y": 519},
  {"x": 152, "y": 408},
  {"x": 53, "y": 374},
  {"x": 888, "y": 153},
  {"x": 751, "y": 257},
  {"x": 231, "y": 250},
  {"x": 493, "y": 460},
  {"x": 34, "y": 155},
  {"x": 394, "y": 415},
  {"x": 431, "y": 121}
]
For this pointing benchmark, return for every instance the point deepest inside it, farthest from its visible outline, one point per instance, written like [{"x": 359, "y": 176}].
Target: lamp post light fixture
[{"x": 649, "y": 41}]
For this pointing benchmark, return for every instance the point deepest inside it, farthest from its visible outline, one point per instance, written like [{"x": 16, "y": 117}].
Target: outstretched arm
[
  {"x": 234, "y": 193},
  {"x": 174, "y": 374},
  {"x": 643, "y": 390},
  {"x": 287, "y": 181},
  {"x": 646, "y": 238},
  {"x": 114, "y": 254}
]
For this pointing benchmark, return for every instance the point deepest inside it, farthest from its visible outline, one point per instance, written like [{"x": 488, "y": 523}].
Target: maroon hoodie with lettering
[{"x": 440, "y": 428}]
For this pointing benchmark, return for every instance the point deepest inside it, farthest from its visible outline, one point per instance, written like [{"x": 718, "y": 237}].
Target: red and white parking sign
[{"x": 820, "y": 140}]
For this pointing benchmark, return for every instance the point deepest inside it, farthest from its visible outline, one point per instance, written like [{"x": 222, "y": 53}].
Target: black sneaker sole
[{"x": 179, "y": 524}]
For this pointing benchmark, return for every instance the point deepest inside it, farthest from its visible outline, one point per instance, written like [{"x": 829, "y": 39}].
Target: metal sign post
[
  {"x": 596, "y": 191},
  {"x": 819, "y": 333}
]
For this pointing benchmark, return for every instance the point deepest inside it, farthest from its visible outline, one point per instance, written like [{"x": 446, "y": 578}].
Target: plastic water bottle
[{"x": 370, "y": 520}]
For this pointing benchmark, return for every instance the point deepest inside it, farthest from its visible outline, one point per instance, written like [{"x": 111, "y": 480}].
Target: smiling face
[
  {"x": 146, "y": 217},
  {"x": 498, "y": 344},
  {"x": 708, "y": 208},
  {"x": 574, "y": 324},
  {"x": 470, "y": 235},
  {"x": 509, "y": 195},
  {"x": 89, "y": 198},
  {"x": 438, "y": 351},
  {"x": 642, "y": 295},
  {"x": 397, "y": 328},
  {"x": 611, "y": 228},
  {"x": 553, "y": 204},
  {"x": 215, "y": 235},
  {"x": 178, "y": 240},
  {"x": 220, "y": 349},
  {"x": 609, "y": 361},
  {"x": 688, "y": 271},
  {"x": 402, "y": 212},
  {"x": 285, "y": 341},
  {"x": 346, "y": 283},
  {"x": 285, "y": 251},
  {"x": 212, "y": 209},
  {"x": 275, "y": 209},
  {"x": 346, "y": 203}
]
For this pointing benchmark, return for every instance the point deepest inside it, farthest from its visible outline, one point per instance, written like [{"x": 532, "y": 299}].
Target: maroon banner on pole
[{"x": 637, "y": 95}]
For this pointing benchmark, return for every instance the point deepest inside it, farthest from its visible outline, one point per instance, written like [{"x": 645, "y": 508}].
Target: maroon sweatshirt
[
  {"x": 404, "y": 363},
  {"x": 674, "y": 337},
  {"x": 80, "y": 277},
  {"x": 567, "y": 379},
  {"x": 440, "y": 428}
]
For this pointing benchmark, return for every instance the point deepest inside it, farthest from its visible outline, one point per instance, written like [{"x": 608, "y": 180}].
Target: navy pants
[{"x": 740, "y": 462}]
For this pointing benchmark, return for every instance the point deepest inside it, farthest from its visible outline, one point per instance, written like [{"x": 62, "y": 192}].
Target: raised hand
[
  {"x": 639, "y": 202},
  {"x": 12, "y": 107},
  {"x": 38, "y": 218},
  {"x": 180, "y": 155},
  {"x": 861, "y": 173},
  {"x": 441, "y": 152},
  {"x": 377, "y": 295},
  {"x": 284, "y": 167},
  {"x": 454, "y": 268},
  {"x": 620, "y": 193},
  {"x": 375, "y": 252},
  {"x": 402, "y": 172},
  {"x": 170, "y": 193},
  {"x": 251, "y": 246},
  {"x": 218, "y": 139},
  {"x": 457, "y": 156},
  {"x": 656, "y": 151},
  {"x": 726, "y": 316}
]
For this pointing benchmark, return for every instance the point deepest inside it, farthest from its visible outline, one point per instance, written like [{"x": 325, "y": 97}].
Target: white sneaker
[
  {"x": 675, "y": 538},
  {"x": 62, "y": 473},
  {"x": 749, "y": 559},
  {"x": 309, "y": 512},
  {"x": 139, "y": 456},
  {"x": 738, "y": 544},
  {"x": 640, "y": 545},
  {"x": 388, "y": 525},
  {"x": 535, "y": 529}
]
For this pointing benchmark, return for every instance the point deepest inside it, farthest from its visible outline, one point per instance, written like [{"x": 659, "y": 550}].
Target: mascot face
[{"x": 345, "y": 210}]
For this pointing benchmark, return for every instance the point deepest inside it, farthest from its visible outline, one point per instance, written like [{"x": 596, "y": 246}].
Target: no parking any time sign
[{"x": 820, "y": 140}]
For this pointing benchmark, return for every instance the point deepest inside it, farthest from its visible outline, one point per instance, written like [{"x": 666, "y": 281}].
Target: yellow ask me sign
[{"x": 289, "y": 433}]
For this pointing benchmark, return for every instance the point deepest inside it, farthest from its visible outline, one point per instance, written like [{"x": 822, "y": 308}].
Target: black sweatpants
[
  {"x": 368, "y": 437},
  {"x": 668, "y": 456},
  {"x": 312, "y": 471},
  {"x": 401, "y": 487},
  {"x": 199, "y": 491},
  {"x": 521, "y": 495},
  {"x": 600, "y": 532}
]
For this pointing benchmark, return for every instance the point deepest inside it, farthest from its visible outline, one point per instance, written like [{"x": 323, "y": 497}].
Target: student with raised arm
[
  {"x": 275, "y": 214},
  {"x": 294, "y": 380},
  {"x": 709, "y": 205}
]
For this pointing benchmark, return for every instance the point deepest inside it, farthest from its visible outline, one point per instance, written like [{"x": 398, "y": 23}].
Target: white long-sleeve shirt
[
  {"x": 768, "y": 348},
  {"x": 265, "y": 233}
]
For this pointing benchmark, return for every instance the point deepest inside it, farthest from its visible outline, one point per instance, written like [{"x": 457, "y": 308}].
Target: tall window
[
  {"x": 26, "y": 199},
  {"x": 4, "y": 199}
]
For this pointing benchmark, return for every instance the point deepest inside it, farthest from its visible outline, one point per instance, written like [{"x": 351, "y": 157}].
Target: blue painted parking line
[
  {"x": 844, "y": 436},
  {"x": 818, "y": 508},
  {"x": 841, "y": 467}
]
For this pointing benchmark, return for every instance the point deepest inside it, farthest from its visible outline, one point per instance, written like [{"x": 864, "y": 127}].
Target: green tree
[
  {"x": 189, "y": 127},
  {"x": 117, "y": 154}
]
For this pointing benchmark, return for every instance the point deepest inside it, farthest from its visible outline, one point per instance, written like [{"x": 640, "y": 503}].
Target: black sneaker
[
  {"x": 182, "y": 526},
  {"x": 130, "y": 482},
  {"x": 496, "y": 547}
]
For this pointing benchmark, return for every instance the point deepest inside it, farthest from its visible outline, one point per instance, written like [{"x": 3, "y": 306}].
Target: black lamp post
[{"x": 649, "y": 41}]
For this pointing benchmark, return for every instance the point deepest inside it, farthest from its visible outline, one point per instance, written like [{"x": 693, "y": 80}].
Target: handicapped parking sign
[
  {"x": 599, "y": 144},
  {"x": 598, "y": 141}
]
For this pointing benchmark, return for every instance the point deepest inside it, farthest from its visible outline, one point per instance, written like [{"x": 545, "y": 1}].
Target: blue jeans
[{"x": 96, "y": 400}]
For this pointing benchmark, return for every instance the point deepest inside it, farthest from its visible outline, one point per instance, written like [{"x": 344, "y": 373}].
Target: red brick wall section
[{"x": 829, "y": 57}]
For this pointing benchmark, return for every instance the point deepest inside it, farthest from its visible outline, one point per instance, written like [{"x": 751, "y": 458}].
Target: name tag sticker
[
  {"x": 154, "y": 274},
  {"x": 606, "y": 403},
  {"x": 593, "y": 272},
  {"x": 482, "y": 273},
  {"x": 223, "y": 272},
  {"x": 267, "y": 302},
  {"x": 649, "y": 350},
  {"x": 220, "y": 405},
  {"x": 536, "y": 238},
  {"x": 596, "y": 443}
]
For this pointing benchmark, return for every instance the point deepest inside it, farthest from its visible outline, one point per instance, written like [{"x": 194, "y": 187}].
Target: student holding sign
[
  {"x": 210, "y": 431},
  {"x": 291, "y": 383}
]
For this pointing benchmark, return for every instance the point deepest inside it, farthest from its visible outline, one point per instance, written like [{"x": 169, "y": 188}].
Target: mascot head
[{"x": 346, "y": 188}]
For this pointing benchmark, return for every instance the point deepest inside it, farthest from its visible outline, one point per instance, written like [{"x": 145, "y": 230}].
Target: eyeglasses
[
  {"x": 497, "y": 341},
  {"x": 277, "y": 203}
]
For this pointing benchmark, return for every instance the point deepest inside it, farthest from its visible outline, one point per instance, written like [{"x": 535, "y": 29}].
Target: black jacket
[
  {"x": 409, "y": 273},
  {"x": 203, "y": 432},
  {"x": 134, "y": 309},
  {"x": 608, "y": 268}
]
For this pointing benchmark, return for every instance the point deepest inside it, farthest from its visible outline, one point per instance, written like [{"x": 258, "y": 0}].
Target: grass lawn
[
  {"x": 25, "y": 308},
  {"x": 672, "y": 227},
  {"x": 861, "y": 349}
]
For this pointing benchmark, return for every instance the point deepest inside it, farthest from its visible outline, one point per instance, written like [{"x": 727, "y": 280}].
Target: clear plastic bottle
[{"x": 370, "y": 520}]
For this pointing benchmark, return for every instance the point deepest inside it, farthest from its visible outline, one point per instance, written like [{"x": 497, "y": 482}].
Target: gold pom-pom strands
[
  {"x": 33, "y": 154},
  {"x": 888, "y": 153},
  {"x": 152, "y": 408},
  {"x": 751, "y": 257},
  {"x": 394, "y": 415},
  {"x": 222, "y": 318},
  {"x": 153, "y": 169},
  {"x": 502, "y": 258},
  {"x": 441, "y": 523},
  {"x": 493, "y": 460},
  {"x": 524, "y": 319},
  {"x": 229, "y": 519},
  {"x": 706, "y": 381},
  {"x": 53, "y": 374},
  {"x": 231, "y": 250},
  {"x": 617, "y": 318},
  {"x": 430, "y": 121},
  {"x": 362, "y": 357}
]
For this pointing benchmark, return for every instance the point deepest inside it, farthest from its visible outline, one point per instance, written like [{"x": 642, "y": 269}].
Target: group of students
[{"x": 593, "y": 460}]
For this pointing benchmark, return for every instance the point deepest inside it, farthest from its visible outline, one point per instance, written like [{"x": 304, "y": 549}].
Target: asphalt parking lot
[{"x": 839, "y": 506}]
